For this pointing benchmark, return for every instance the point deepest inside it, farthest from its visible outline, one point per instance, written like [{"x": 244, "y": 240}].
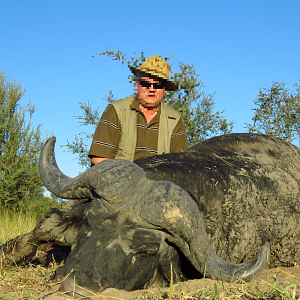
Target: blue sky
[{"x": 236, "y": 47}]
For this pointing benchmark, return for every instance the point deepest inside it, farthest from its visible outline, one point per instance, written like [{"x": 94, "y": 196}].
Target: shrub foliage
[
  {"x": 277, "y": 112},
  {"x": 20, "y": 146}
]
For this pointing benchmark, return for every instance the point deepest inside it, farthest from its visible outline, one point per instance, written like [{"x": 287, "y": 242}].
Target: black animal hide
[{"x": 247, "y": 187}]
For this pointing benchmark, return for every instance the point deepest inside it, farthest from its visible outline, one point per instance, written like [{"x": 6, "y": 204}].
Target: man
[{"x": 140, "y": 125}]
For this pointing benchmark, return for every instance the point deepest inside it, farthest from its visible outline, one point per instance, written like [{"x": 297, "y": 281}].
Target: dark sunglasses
[{"x": 147, "y": 84}]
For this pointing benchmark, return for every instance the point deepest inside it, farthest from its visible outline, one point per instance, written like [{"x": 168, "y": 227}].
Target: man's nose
[{"x": 151, "y": 88}]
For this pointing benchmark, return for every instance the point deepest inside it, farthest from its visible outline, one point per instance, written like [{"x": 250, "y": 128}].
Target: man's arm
[
  {"x": 96, "y": 159},
  {"x": 106, "y": 138}
]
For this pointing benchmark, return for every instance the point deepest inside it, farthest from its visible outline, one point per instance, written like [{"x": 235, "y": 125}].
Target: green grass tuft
[{"x": 15, "y": 223}]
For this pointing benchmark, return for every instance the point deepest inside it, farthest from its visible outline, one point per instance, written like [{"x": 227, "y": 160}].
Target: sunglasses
[{"x": 147, "y": 84}]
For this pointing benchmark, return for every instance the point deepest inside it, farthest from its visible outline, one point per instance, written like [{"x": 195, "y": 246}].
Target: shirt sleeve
[
  {"x": 179, "y": 141},
  {"x": 107, "y": 135}
]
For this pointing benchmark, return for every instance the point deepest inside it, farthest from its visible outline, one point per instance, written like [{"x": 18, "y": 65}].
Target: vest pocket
[
  {"x": 126, "y": 148},
  {"x": 125, "y": 151}
]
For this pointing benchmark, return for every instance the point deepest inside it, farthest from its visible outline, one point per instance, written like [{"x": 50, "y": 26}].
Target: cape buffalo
[{"x": 128, "y": 228}]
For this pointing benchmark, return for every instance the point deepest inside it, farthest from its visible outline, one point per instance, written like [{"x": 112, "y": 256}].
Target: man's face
[{"x": 148, "y": 95}]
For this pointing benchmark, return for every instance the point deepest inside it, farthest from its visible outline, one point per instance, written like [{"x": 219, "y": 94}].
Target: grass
[
  {"x": 31, "y": 282},
  {"x": 216, "y": 291},
  {"x": 224, "y": 291},
  {"x": 34, "y": 283},
  {"x": 15, "y": 223},
  {"x": 26, "y": 282}
]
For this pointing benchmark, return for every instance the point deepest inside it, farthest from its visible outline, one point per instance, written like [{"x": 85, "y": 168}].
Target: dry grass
[
  {"x": 234, "y": 293},
  {"x": 34, "y": 282},
  {"x": 29, "y": 282},
  {"x": 14, "y": 224}
]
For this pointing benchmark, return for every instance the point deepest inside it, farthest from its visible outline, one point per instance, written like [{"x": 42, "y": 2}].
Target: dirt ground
[{"x": 35, "y": 283}]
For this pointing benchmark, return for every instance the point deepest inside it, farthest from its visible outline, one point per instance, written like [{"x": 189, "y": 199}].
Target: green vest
[{"x": 167, "y": 122}]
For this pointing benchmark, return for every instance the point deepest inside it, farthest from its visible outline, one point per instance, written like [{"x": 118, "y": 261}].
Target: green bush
[{"x": 20, "y": 146}]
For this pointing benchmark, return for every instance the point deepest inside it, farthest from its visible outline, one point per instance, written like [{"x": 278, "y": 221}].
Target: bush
[{"x": 20, "y": 145}]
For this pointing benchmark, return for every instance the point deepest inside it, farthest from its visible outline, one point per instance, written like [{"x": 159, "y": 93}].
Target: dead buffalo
[{"x": 127, "y": 228}]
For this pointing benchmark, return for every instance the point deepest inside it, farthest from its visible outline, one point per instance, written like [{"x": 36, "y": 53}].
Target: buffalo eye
[
  {"x": 145, "y": 251},
  {"x": 142, "y": 254}
]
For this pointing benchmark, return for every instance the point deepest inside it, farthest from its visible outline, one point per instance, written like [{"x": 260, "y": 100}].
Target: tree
[
  {"x": 79, "y": 147},
  {"x": 20, "y": 146},
  {"x": 278, "y": 112},
  {"x": 195, "y": 106}
]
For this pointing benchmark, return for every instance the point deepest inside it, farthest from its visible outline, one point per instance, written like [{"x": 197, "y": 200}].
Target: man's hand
[{"x": 96, "y": 159}]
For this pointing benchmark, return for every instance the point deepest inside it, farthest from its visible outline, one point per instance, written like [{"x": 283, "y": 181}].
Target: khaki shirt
[{"x": 107, "y": 136}]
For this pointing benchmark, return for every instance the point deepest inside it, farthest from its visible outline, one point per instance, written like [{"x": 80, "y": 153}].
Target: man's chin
[{"x": 150, "y": 104}]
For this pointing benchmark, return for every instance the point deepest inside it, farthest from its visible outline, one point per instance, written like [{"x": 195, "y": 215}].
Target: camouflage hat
[{"x": 156, "y": 67}]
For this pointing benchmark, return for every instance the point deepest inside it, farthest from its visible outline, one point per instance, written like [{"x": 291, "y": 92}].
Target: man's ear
[{"x": 135, "y": 85}]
